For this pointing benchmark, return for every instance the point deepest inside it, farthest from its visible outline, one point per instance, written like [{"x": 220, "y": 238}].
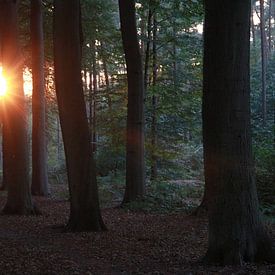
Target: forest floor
[{"x": 136, "y": 243}]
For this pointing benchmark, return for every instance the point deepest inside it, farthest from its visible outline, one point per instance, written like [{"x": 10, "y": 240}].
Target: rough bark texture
[
  {"x": 39, "y": 147},
  {"x": 16, "y": 165},
  {"x": 84, "y": 205},
  {"x": 236, "y": 233},
  {"x": 135, "y": 114}
]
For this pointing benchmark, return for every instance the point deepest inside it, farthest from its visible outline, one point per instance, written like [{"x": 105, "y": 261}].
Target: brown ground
[{"x": 136, "y": 243}]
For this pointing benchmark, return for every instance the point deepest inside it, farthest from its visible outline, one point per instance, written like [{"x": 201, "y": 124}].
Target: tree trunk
[
  {"x": 147, "y": 50},
  {"x": 84, "y": 204},
  {"x": 135, "y": 173},
  {"x": 236, "y": 233},
  {"x": 154, "y": 170},
  {"x": 94, "y": 94},
  {"x": 16, "y": 164},
  {"x": 40, "y": 184},
  {"x": 264, "y": 58},
  {"x": 3, "y": 185},
  {"x": 58, "y": 141},
  {"x": 253, "y": 27},
  {"x": 106, "y": 76},
  {"x": 270, "y": 27}
]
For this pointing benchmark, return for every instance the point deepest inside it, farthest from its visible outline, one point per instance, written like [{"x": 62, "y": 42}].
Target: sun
[{"x": 3, "y": 84}]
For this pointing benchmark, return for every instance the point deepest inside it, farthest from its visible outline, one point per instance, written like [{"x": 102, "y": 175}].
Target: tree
[
  {"x": 236, "y": 232},
  {"x": 16, "y": 164},
  {"x": 264, "y": 59},
  {"x": 135, "y": 173},
  {"x": 154, "y": 168},
  {"x": 84, "y": 205},
  {"x": 39, "y": 147}
]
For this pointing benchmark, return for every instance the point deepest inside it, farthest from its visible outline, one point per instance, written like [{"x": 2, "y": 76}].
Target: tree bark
[
  {"x": 154, "y": 170},
  {"x": 94, "y": 94},
  {"x": 40, "y": 184},
  {"x": 236, "y": 232},
  {"x": 106, "y": 76},
  {"x": 147, "y": 50},
  {"x": 135, "y": 172},
  {"x": 253, "y": 27},
  {"x": 270, "y": 26},
  {"x": 264, "y": 59},
  {"x": 16, "y": 164},
  {"x": 84, "y": 204}
]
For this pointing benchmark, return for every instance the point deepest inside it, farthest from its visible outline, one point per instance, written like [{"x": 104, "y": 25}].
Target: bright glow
[
  {"x": 199, "y": 28},
  {"x": 3, "y": 84},
  {"x": 27, "y": 77}
]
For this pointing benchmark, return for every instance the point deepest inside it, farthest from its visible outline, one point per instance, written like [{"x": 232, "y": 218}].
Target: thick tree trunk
[
  {"x": 84, "y": 205},
  {"x": 236, "y": 233},
  {"x": 40, "y": 184},
  {"x": 135, "y": 173},
  {"x": 16, "y": 165}
]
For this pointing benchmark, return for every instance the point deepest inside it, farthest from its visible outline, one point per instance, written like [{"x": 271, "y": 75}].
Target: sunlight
[
  {"x": 27, "y": 78},
  {"x": 3, "y": 84}
]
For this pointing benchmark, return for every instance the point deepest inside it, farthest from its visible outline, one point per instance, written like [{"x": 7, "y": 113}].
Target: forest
[{"x": 137, "y": 137}]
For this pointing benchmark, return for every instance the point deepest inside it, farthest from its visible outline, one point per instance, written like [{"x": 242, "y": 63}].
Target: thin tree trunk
[
  {"x": 264, "y": 57},
  {"x": 84, "y": 204},
  {"x": 253, "y": 28},
  {"x": 135, "y": 172},
  {"x": 58, "y": 138},
  {"x": 40, "y": 184},
  {"x": 94, "y": 95},
  {"x": 147, "y": 50},
  {"x": 270, "y": 27},
  {"x": 175, "y": 74},
  {"x": 106, "y": 77},
  {"x": 91, "y": 106},
  {"x": 154, "y": 170}
]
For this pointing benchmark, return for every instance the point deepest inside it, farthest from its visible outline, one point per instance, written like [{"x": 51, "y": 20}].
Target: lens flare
[{"x": 3, "y": 84}]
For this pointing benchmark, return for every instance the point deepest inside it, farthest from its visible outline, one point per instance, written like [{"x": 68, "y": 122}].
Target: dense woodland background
[
  {"x": 172, "y": 57},
  {"x": 170, "y": 36}
]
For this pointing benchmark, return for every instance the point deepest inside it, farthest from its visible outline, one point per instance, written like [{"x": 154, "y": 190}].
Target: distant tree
[
  {"x": 154, "y": 168},
  {"x": 39, "y": 151},
  {"x": 135, "y": 171},
  {"x": 264, "y": 58},
  {"x": 16, "y": 164},
  {"x": 236, "y": 232},
  {"x": 84, "y": 205}
]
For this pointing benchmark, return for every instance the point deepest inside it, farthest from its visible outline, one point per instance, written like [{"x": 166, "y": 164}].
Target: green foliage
[
  {"x": 263, "y": 134},
  {"x": 167, "y": 197},
  {"x": 111, "y": 188}
]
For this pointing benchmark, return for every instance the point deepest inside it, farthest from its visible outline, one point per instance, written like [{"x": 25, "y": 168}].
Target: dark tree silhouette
[
  {"x": 39, "y": 147},
  {"x": 16, "y": 161},
  {"x": 84, "y": 205},
  {"x": 135, "y": 114},
  {"x": 236, "y": 232}
]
